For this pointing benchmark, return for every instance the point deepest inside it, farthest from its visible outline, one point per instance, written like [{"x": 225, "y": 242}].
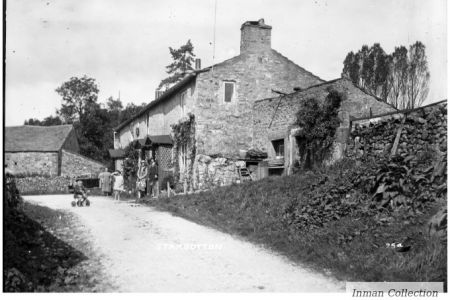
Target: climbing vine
[
  {"x": 318, "y": 123},
  {"x": 184, "y": 134},
  {"x": 130, "y": 163}
]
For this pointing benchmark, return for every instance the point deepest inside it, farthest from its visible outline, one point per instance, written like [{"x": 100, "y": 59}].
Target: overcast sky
[{"x": 123, "y": 44}]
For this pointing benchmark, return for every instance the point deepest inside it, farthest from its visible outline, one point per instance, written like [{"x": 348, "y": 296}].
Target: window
[
  {"x": 183, "y": 102},
  {"x": 137, "y": 132},
  {"x": 229, "y": 91},
  {"x": 278, "y": 146}
]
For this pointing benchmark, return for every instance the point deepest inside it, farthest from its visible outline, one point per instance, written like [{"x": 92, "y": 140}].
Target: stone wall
[
  {"x": 212, "y": 172},
  {"x": 74, "y": 164},
  {"x": 226, "y": 127},
  {"x": 273, "y": 117},
  {"x": 32, "y": 163},
  {"x": 424, "y": 132},
  {"x": 37, "y": 185},
  {"x": 255, "y": 37}
]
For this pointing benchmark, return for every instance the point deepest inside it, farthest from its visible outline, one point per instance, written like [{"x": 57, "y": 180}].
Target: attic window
[
  {"x": 137, "y": 131},
  {"x": 229, "y": 91}
]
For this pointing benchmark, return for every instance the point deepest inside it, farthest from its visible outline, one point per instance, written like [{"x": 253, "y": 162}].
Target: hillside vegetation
[{"x": 364, "y": 220}]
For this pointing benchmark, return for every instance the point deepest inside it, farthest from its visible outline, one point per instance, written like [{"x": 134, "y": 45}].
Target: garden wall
[
  {"x": 212, "y": 172},
  {"x": 423, "y": 132},
  {"x": 38, "y": 185}
]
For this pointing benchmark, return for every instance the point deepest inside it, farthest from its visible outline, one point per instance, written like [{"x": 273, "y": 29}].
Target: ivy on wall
[
  {"x": 184, "y": 134},
  {"x": 130, "y": 164},
  {"x": 318, "y": 123}
]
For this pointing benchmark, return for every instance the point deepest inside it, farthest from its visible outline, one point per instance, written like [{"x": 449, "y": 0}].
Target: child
[
  {"x": 117, "y": 184},
  {"x": 79, "y": 190}
]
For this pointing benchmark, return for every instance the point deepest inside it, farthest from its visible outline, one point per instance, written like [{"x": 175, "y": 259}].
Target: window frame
[{"x": 233, "y": 84}]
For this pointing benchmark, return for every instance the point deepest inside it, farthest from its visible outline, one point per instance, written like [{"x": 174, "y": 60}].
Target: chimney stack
[
  {"x": 198, "y": 63},
  {"x": 255, "y": 36}
]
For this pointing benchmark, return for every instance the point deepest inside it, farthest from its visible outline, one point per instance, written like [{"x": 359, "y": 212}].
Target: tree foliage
[
  {"x": 93, "y": 123},
  {"x": 183, "y": 59},
  {"x": 400, "y": 78},
  {"x": 318, "y": 123},
  {"x": 418, "y": 76},
  {"x": 78, "y": 94},
  {"x": 48, "y": 121}
]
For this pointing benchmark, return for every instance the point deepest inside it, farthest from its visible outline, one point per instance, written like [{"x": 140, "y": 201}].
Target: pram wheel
[
  {"x": 88, "y": 203},
  {"x": 79, "y": 203},
  {"x": 74, "y": 203}
]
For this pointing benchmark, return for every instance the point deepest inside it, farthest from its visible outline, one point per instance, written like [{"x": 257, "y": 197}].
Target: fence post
[
  {"x": 185, "y": 186},
  {"x": 168, "y": 189},
  {"x": 157, "y": 189}
]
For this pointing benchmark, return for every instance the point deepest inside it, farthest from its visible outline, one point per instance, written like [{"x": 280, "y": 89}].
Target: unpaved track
[{"x": 145, "y": 250}]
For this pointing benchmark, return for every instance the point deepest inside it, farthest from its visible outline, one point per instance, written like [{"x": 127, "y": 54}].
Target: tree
[
  {"x": 183, "y": 58},
  {"x": 368, "y": 69},
  {"x": 114, "y": 104},
  {"x": 77, "y": 95},
  {"x": 351, "y": 67},
  {"x": 48, "y": 121},
  {"x": 418, "y": 76},
  {"x": 398, "y": 77},
  {"x": 130, "y": 110}
]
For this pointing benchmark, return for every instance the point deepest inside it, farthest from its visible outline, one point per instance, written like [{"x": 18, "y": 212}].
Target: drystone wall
[
  {"x": 211, "y": 172},
  {"x": 38, "y": 185},
  {"x": 421, "y": 132}
]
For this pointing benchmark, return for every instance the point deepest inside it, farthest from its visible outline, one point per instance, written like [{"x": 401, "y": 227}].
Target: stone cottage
[
  {"x": 220, "y": 98},
  {"x": 46, "y": 150},
  {"x": 273, "y": 120}
]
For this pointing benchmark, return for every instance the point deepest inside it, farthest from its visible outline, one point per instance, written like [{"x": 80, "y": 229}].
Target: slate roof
[{"x": 36, "y": 138}]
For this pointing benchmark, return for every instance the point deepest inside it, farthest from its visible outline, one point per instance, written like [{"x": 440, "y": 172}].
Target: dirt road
[{"x": 144, "y": 250}]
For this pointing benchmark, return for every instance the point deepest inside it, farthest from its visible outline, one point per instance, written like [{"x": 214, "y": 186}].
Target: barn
[{"x": 46, "y": 151}]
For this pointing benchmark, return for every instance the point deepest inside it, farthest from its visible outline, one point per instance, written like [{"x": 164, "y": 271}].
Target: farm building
[
  {"x": 46, "y": 150},
  {"x": 273, "y": 119}
]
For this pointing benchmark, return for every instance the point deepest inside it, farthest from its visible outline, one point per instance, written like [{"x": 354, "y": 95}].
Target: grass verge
[{"x": 343, "y": 240}]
